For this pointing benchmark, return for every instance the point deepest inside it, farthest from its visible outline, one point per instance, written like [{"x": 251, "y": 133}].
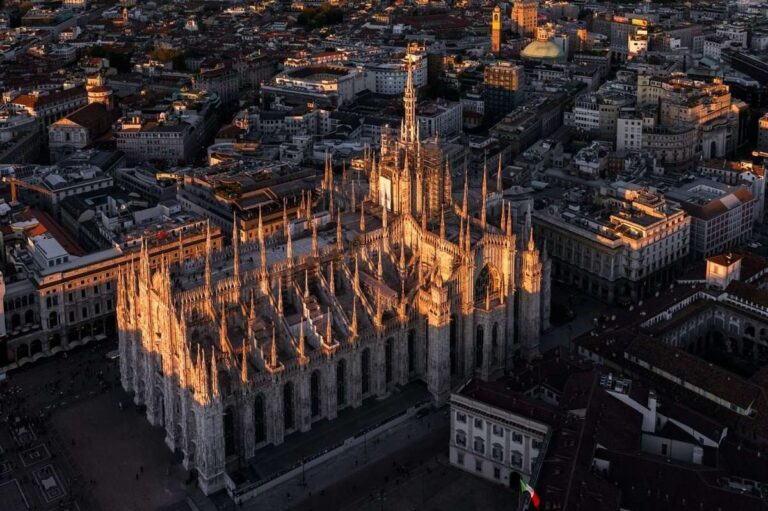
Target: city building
[
  {"x": 762, "y": 134},
  {"x": 503, "y": 88},
  {"x": 174, "y": 135},
  {"x": 323, "y": 85},
  {"x": 525, "y": 17},
  {"x": 82, "y": 127},
  {"x": 721, "y": 215},
  {"x": 63, "y": 297},
  {"x": 496, "y": 434},
  {"x": 622, "y": 255}
]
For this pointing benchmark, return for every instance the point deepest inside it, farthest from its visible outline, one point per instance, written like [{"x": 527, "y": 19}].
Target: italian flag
[{"x": 524, "y": 487}]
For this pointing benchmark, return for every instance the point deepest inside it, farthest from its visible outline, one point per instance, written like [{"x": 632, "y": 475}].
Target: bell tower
[{"x": 496, "y": 30}]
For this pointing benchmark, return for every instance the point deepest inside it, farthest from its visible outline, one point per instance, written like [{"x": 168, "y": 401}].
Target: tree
[{"x": 322, "y": 16}]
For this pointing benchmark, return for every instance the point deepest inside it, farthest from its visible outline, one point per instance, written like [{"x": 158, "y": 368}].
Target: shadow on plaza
[{"x": 121, "y": 456}]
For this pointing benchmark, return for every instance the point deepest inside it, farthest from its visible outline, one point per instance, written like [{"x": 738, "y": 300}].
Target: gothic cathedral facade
[{"x": 410, "y": 285}]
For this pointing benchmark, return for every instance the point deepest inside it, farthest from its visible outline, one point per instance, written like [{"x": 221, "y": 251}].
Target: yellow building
[{"x": 524, "y": 15}]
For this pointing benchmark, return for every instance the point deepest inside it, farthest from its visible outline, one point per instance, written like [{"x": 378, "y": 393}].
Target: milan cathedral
[{"x": 409, "y": 286}]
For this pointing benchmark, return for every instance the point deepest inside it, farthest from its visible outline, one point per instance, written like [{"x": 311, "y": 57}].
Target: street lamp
[{"x": 303, "y": 482}]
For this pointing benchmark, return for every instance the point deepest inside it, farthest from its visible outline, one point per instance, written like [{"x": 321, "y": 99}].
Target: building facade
[
  {"x": 524, "y": 17},
  {"x": 493, "y": 435}
]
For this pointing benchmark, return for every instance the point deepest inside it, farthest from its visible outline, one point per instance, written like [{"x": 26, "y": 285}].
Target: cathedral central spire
[{"x": 408, "y": 133}]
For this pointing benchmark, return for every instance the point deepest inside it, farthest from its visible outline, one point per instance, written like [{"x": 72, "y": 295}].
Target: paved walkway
[
  {"x": 127, "y": 463},
  {"x": 326, "y": 434},
  {"x": 410, "y": 435},
  {"x": 585, "y": 308}
]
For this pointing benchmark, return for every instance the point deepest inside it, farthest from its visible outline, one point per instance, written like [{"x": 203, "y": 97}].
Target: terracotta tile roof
[
  {"x": 37, "y": 101},
  {"x": 94, "y": 117},
  {"x": 748, "y": 292},
  {"x": 693, "y": 370},
  {"x": 651, "y": 483}
]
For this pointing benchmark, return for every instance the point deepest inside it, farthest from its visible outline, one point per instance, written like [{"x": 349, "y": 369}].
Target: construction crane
[{"x": 15, "y": 182}]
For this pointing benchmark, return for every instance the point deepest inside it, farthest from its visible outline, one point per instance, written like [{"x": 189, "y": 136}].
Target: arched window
[
  {"x": 259, "y": 422},
  {"x": 36, "y": 347},
  {"x": 411, "y": 350},
  {"x": 750, "y": 331},
  {"x": 388, "y": 346},
  {"x": 341, "y": 376},
  {"x": 365, "y": 370},
  {"x": 516, "y": 459},
  {"x": 225, "y": 383},
  {"x": 288, "y": 406},
  {"x": 53, "y": 319},
  {"x": 488, "y": 283},
  {"x": 453, "y": 345},
  {"x": 495, "y": 343},
  {"x": 22, "y": 351},
  {"x": 29, "y": 317},
  {"x": 229, "y": 431},
  {"x": 55, "y": 341},
  {"x": 479, "y": 346},
  {"x": 479, "y": 445},
  {"x": 314, "y": 393},
  {"x": 15, "y": 321},
  {"x": 497, "y": 452}
]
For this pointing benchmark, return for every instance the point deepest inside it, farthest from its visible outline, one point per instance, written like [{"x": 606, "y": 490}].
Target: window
[
  {"x": 461, "y": 417},
  {"x": 517, "y": 437},
  {"x": 498, "y": 430},
  {"x": 478, "y": 465},
  {"x": 461, "y": 438},
  {"x": 496, "y": 473},
  {"x": 536, "y": 444},
  {"x": 479, "y": 423},
  {"x": 497, "y": 452},
  {"x": 663, "y": 449},
  {"x": 516, "y": 459},
  {"x": 479, "y": 445},
  {"x": 460, "y": 458},
  {"x": 71, "y": 317}
]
